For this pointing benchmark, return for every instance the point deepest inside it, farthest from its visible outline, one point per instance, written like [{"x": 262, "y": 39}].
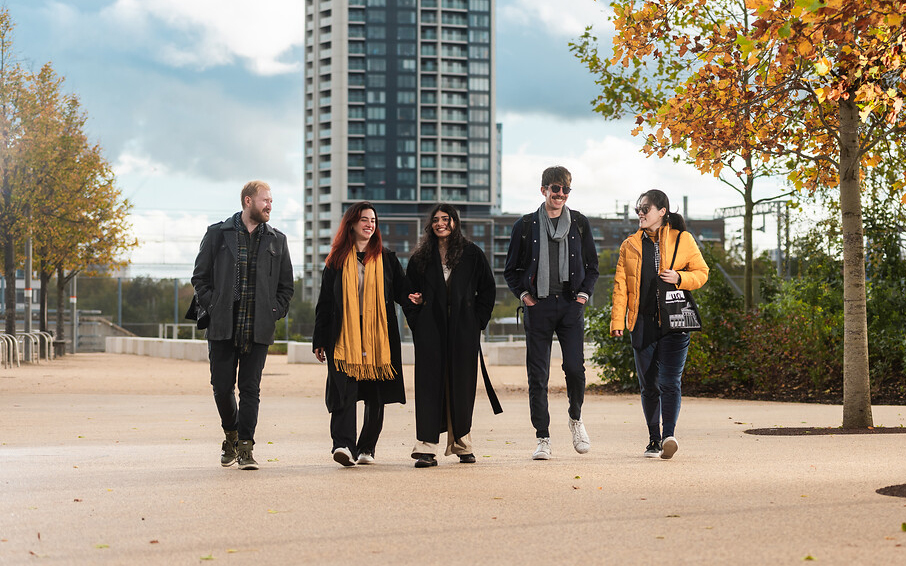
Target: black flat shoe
[
  {"x": 467, "y": 458},
  {"x": 425, "y": 461}
]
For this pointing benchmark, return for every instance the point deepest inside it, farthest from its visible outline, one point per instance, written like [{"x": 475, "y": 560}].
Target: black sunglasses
[
  {"x": 643, "y": 209},
  {"x": 558, "y": 188}
]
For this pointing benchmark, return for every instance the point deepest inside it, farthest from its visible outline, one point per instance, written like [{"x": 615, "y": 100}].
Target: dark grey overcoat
[{"x": 215, "y": 276}]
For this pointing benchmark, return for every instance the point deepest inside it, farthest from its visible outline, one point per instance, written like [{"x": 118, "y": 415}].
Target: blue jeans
[{"x": 660, "y": 369}]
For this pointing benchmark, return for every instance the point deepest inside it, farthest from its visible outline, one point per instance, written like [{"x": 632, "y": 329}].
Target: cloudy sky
[{"x": 192, "y": 98}]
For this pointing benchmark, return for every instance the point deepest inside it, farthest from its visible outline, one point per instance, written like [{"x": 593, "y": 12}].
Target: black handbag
[
  {"x": 198, "y": 314},
  {"x": 677, "y": 309}
]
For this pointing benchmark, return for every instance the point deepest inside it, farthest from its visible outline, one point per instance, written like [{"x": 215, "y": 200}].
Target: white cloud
[
  {"x": 133, "y": 161},
  {"x": 565, "y": 18},
  {"x": 216, "y": 32}
]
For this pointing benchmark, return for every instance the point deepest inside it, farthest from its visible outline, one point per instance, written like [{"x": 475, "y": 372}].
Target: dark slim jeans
[
  {"x": 342, "y": 420},
  {"x": 660, "y": 369},
  {"x": 566, "y": 317},
  {"x": 225, "y": 358}
]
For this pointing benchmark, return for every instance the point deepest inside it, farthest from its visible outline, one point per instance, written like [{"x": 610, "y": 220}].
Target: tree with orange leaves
[
  {"x": 826, "y": 86},
  {"x": 643, "y": 82}
]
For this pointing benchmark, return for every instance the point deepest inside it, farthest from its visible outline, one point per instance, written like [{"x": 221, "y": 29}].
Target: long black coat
[
  {"x": 328, "y": 323},
  {"x": 449, "y": 341}
]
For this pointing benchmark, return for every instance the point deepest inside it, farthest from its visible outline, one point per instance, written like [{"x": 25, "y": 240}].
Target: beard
[{"x": 259, "y": 215}]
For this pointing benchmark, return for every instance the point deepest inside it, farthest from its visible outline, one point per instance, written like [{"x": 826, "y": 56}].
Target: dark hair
[
  {"x": 344, "y": 240},
  {"x": 660, "y": 200},
  {"x": 428, "y": 243},
  {"x": 556, "y": 174}
]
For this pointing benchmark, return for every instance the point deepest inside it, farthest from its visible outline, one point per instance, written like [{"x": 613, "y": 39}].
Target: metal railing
[
  {"x": 29, "y": 347},
  {"x": 9, "y": 350}
]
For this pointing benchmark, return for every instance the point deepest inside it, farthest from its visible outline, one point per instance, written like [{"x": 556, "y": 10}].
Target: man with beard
[
  {"x": 552, "y": 266},
  {"x": 243, "y": 278}
]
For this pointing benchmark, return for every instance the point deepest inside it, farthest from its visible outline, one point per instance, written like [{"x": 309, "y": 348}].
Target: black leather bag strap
[{"x": 675, "y": 249}]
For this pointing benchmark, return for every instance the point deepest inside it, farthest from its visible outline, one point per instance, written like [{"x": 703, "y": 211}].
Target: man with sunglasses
[{"x": 552, "y": 266}]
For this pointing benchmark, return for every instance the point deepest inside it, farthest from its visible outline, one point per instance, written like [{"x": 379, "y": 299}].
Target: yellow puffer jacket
[{"x": 689, "y": 264}]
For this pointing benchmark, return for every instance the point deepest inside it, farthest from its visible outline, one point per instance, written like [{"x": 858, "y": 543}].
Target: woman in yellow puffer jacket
[{"x": 659, "y": 358}]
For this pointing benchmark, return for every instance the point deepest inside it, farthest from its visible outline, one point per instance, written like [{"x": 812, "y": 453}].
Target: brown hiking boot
[{"x": 228, "y": 452}]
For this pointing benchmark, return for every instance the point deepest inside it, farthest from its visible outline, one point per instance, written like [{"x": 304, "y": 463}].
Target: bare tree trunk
[
  {"x": 61, "y": 305},
  {"x": 9, "y": 273},
  {"x": 45, "y": 281},
  {"x": 749, "y": 269},
  {"x": 856, "y": 387}
]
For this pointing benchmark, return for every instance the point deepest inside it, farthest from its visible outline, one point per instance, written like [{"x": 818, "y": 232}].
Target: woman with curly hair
[
  {"x": 454, "y": 291},
  {"x": 357, "y": 334}
]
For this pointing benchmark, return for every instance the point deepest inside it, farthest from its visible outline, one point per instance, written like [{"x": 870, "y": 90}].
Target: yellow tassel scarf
[{"x": 363, "y": 350}]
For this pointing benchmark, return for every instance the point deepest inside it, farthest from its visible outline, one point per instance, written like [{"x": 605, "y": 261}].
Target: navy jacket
[{"x": 521, "y": 270}]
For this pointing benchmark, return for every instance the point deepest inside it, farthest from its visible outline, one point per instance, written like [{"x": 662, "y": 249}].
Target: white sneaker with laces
[
  {"x": 364, "y": 459},
  {"x": 669, "y": 447},
  {"x": 543, "y": 452},
  {"x": 343, "y": 456},
  {"x": 581, "y": 442}
]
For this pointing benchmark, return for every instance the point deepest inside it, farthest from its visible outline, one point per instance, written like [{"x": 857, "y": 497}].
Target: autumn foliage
[
  {"x": 818, "y": 82},
  {"x": 57, "y": 189}
]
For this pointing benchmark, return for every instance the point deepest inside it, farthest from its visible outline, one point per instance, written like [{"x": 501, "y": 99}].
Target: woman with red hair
[{"x": 356, "y": 332}]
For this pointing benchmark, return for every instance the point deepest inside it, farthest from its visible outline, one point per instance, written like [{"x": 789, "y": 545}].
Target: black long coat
[
  {"x": 450, "y": 342},
  {"x": 328, "y": 323}
]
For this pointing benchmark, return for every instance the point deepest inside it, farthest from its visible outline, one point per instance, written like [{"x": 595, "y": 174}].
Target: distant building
[{"x": 399, "y": 111}]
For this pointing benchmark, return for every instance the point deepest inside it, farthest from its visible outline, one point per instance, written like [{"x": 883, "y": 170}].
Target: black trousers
[
  {"x": 566, "y": 317},
  {"x": 225, "y": 358},
  {"x": 343, "y": 419}
]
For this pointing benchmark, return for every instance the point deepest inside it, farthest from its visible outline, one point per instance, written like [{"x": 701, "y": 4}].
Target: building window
[
  {"x": 376, "y": 80},
  {"x": 377, "y": 16},
  {"x": 376, "y": 64},
  {"x": 479, "y": 100},
  {"x": 479, "y": 36},
  {"x": 479, "y": 20},
  {"x": 479, "y": 84},
  {"x": 376, "y": 112},
  {"x": 479, "y": 68}
]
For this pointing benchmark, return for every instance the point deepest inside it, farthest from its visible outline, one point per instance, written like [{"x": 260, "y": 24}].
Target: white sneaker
[
  {"x": 543, "y": 452},
  {"x": 343, "y": 456},
  {"x": 581, "y": 442},
  {"x": 364, "y": 459},
  {"x": 668, "y": 447}
]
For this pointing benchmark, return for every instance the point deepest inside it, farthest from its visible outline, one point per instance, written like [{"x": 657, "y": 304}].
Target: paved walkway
[{"x": 113, "y": 459}]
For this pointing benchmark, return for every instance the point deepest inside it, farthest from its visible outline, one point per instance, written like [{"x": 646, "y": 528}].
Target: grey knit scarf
[{"x": 559, "y": 235}]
